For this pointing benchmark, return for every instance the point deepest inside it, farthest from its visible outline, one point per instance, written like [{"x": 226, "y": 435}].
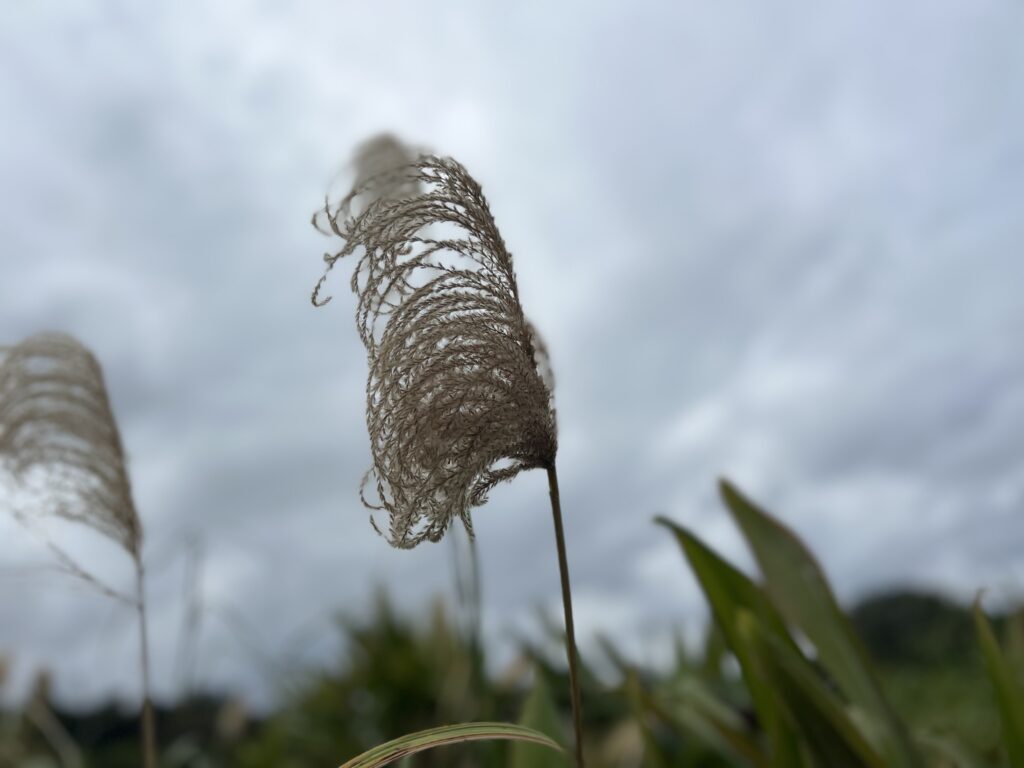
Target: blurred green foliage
[{"x": 784, "y": 678}]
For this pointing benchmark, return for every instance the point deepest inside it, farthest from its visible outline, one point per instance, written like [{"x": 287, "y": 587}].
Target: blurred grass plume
[
  {"x": 60, "y": 443},
  {"x": 59, "y": 440}
]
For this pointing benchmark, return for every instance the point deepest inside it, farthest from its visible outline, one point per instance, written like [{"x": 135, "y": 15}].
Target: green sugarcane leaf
[
  {"x": 798, "y": 587},
  {"x": 826, "y": 726},
  {"x": 728, "y": 592}
]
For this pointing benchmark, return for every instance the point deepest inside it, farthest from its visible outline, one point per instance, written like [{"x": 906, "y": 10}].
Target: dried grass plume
[
  {"x": 456, "y": 399},
  {"x": 60, "y": 443},
  {"x": 59, "y": 440}
]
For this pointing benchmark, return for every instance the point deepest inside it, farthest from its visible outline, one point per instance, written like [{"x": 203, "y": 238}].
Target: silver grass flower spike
[
  {"x": 456, "y": 402},
  {"x": 459, "y": 393},
  {"x": 55, "y": 418},
  {"x": 61, "y": 445}
]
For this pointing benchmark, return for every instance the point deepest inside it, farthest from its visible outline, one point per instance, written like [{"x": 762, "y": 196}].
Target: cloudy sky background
[{"x": 779, "y": 243}]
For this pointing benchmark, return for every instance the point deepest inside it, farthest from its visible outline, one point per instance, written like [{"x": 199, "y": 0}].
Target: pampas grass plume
[
  {"x": 459, "y": 394},
  {"x": 456, "y": 400}
]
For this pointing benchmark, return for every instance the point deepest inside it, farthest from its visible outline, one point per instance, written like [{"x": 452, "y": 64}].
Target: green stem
[
  {"x": 570, "y": 632},
  {"x": 148, "y": 724}
]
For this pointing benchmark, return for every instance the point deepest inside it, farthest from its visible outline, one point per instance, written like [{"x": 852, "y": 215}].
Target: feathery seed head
[
  {"x": 459, "y": 396},
  {"x": 58, "y": 437}
]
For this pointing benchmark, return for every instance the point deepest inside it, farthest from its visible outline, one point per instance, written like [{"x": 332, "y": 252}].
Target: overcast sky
[{"x": 778, "y": 242}]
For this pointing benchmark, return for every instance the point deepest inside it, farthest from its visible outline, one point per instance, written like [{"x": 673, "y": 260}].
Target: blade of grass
[
  {"x": 410, "y": 744},
  {"x": 813, "y": 709},
  {"x": 655, "y": 755},
  {"x": 541, "y": 715},
  {"x": 697, "y": 713},
  {"x": 798, "y": 587},
  {"x": 690, "y": 708},
  {"x": 729, "y": 591},
  {"x": 1009, "y": 695}
]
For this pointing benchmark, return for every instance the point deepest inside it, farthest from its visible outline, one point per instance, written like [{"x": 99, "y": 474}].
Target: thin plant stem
[
  {"x": 70, "y": 567},
  {"x": 54, "y": 733},
  {"x": 570, "y": 632},
  {"x": 466, "y": 560},
  {"x": 476, "y": 625},
  {"x": 190, "y": 626},
  {"x": 148, "y": 723}
]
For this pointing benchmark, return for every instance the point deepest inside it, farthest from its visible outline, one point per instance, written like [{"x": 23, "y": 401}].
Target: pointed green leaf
[
  {"x": 654, "y": 754},
  {"x": 698, "y": 709},
  {"x": 1009, "y": 695},
  {"x": 693, "y": 712},
  {"x": 798, "y": 587},
  {"x": 728, "y": 591},
  {"x": 813, "y": 709},
  {"x": 1013, "y": 644},
  {"x": 412, "y": 743},
  {"x": 539, "y": 714}
]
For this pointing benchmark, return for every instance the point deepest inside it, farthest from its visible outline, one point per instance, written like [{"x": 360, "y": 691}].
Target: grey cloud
[{"x": 774, "y": 244}]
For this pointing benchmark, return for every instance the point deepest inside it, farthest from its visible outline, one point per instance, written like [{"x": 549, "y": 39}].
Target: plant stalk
[
  {"x": 54, "y": 733},
  {"x": 570, "y": 632},
  {"x": 148, "y": 723}
]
